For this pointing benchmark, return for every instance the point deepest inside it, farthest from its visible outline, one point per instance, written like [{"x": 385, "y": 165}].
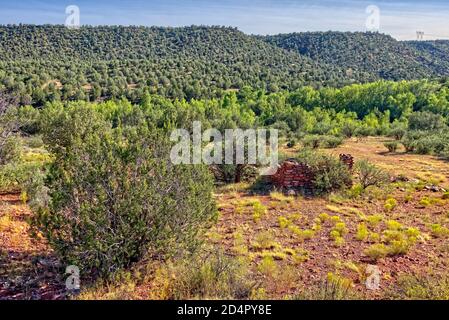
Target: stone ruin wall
[{"x": 292, "y": 174}]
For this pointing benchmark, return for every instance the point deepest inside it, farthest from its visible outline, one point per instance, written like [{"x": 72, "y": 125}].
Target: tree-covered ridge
[
  {"x": 52, "y": 62},
  {"x": 435, "y": 53},
  {"x": 378, "y": 54}
]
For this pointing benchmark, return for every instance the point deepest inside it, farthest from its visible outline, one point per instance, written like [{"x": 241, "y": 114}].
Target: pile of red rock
[
  {"x": 292, "y": 175},
  {"x": 348, "y": 160}
]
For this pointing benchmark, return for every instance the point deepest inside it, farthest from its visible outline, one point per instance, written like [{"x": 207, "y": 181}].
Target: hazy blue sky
[{"x": 399, "y": 18}]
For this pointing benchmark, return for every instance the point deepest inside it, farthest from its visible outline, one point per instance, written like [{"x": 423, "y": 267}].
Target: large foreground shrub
[{"x": 115, "y": 197}]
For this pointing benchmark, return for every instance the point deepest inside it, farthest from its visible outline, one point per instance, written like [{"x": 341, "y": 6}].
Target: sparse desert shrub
[
  {"x": 392, "y": 146},
  {"x": 9, "y": 150},
  {"x": 425, "y": 202},
  {"x": 423, "y": 146},
  {"x": 398, "y": 131},
  {"x": 329, "y": 172},
  {"x": 335, "y": 287},
  {"x": 335, "y": 219},
  {"x": 283, "y": 222},
  {"x": 301, "y": 256},
  {"x": 21, "y": 176},
  {"x": 348, "y": 129},
  {"x": 412, "y": 234},
  {"x": 355, "y": 191},
  {"x": 279, "y": 196},
  {"x": 370, "y": 175},
  {"x": 410, "y": 139},
  {"x": 337, "y": 198},
  {"x": 429, "y": 201},
  {"x": 445, "y": 196},
  {"x": 203, "y": 276},
  {"x": 265, "y": 240},
  {"x": 394, "y": 225},
  {"x": 312, "y": 141},
  {"x": 374, "y": 237},
  {"x": 340, "y": 227},
  {"x": 408, "y": 197},
  {"x": 259, "y": 211},
  {"x": 115, "y": 195},
  {"x": 390, "y": 204},
  {"x": 426, "y": 287},
  {"x": 9, "y": 140},
  {"x": 337, "y": 233},
  {"x": 398, "y": 241},
  {"x": 444, "y": 153},
  {"x": 362, "y": 232},
  {"x": 439, "y": 231},
  {"x": 34, "y": 142},
  {"x": 324, "y": 217},
  {"x": 398, "y": 247},
  {"x": 302, "y": 234},
  {"x": 376, "y": 251},
  {"x": 331, "y": 142},
  {"x": 258, "y": 294},
  {"x": 364, "y": 131},
  {"x": 267, "y": 266},
  {"x": 425, "y": 142},
  {"x": 339, "y": 241},
  {"x": 374, "y": 220}
]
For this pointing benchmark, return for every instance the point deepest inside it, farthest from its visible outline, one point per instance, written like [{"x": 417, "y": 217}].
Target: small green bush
[
  {"x": 424, "y": 287},
  {"x": 392, "y": 146},
  {"x": 370, "y": 175},
  {"x": 362, "y": 232},
  {"x": 335, "y": 287},
  {"x": 390, "y": 204},
  {"x": 439, "y": 231},
  {"x": 291, "y": 143},
  {"x": 332, "y": 142},
  {"x": 397, "y": 131},
  {"x": 376, "y": 251},
  {"x": 312, "y": 141},
  {"x": 329, "y": 172}
]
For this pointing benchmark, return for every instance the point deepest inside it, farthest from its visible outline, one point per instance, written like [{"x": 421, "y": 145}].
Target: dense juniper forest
[{"x": 86, "y": 178}]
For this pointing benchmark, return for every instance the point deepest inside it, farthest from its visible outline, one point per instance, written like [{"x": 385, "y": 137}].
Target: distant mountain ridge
[{"x": 378, "y": 54}]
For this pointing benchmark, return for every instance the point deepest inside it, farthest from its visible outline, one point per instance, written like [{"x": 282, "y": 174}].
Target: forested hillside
[
  {"x": 435, "y": 53},
  {"x": 378, "y": 54},
  {"x": 52, "y": 62}
]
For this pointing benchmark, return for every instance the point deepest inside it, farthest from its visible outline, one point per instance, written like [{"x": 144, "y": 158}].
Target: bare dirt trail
[{"x": 28, "y": 270}]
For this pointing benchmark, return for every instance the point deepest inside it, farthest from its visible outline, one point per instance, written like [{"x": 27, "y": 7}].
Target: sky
[{"x": 401, "y": 19}]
